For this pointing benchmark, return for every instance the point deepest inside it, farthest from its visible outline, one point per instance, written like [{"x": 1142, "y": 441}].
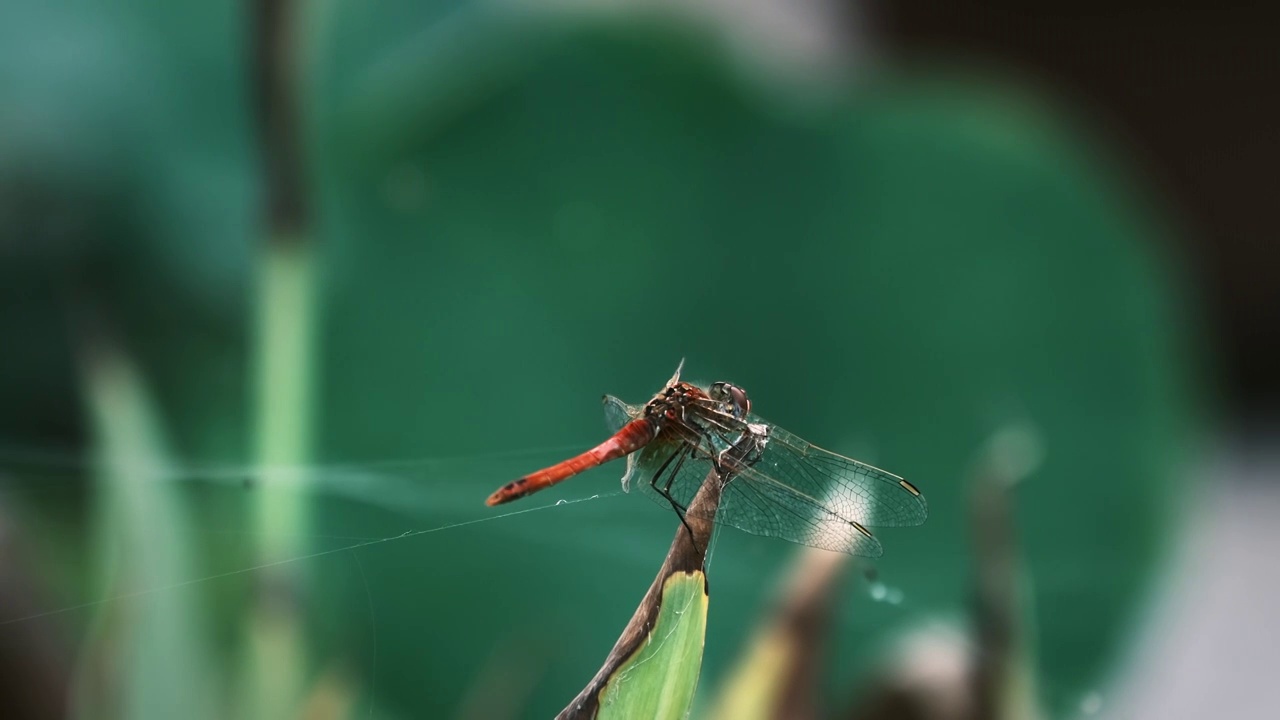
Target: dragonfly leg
[
  {"x": 665, "y": 489},
  {"x": 744, "y": 450},
  {"x": 671, "y": 478}
]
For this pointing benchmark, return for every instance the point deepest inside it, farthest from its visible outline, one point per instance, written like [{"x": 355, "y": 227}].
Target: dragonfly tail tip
[{"x": 513, "y": 490}]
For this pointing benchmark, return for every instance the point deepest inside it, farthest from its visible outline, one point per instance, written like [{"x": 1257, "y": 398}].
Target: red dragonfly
[{"x": 781, "y": 486}]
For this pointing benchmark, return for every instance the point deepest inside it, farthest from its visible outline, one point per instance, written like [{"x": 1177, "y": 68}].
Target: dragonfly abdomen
[{"x": 630, "y": 438}]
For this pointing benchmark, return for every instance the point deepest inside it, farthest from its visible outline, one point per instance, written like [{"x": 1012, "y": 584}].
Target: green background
[{"x": 516, "y": 216}]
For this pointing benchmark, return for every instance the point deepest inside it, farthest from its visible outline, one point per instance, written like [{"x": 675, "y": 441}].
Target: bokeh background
[{"x": 280, "y": 279}]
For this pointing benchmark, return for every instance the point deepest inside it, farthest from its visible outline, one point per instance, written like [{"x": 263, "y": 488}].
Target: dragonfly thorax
[
  {"x": 724, "y": 405},
  {"x": 670, "y": 404}
]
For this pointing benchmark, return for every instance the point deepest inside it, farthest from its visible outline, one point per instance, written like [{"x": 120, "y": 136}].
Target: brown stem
[
  {"x": 277, "y": 113},
  {"x": 803, "y": 622},
  {"x": 996, "y": 608}
]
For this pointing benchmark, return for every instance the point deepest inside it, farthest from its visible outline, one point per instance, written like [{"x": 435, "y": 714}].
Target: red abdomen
[{"x": 633, "y": 436}]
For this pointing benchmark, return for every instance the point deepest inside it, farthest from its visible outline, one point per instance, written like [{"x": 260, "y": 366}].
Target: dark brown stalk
[
  {"x": 997, "y": 611},
  {"x": 278, "y": 118}
]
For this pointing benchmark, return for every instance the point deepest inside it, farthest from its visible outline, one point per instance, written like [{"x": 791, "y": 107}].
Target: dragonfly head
[{"x": 733, "y": 397}]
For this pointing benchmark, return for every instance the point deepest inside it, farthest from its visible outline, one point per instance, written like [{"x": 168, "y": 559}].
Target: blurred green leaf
[
  {"x": 148, "y": 655},
  {"x": 775, "y": 673}
]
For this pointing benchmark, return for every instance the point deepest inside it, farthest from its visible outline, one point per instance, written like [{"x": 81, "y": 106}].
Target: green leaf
[
  {"x": 652, "y": 670},
  {"x": 659, "y": 679}
]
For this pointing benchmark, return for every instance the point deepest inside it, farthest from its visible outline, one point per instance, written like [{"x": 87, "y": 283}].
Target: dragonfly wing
[
  {"x": 788, "y": 488},
  {"x": 617, "y": 413},
  {"x": 847, "y": 488},
  {"x": 760, "y": 507},
  {"x": 778, "y": 511}
]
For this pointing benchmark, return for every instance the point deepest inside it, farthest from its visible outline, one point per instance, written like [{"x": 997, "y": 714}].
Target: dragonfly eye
[
  {"x": 736, "y": 397},
  {"x": 744, "y": 402}
]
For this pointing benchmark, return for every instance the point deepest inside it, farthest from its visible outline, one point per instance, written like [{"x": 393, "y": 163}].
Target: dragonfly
[{"x": 773, "y": 483}]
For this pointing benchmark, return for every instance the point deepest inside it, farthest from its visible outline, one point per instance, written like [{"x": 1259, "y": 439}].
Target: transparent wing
[
  {"x": 845, "y": 487},
  {"x": 747, "y": 503},
  {"x": 778, "y": 511},
  {"x": 790, "y": 489},
  {"x": 617, "y": 413}
]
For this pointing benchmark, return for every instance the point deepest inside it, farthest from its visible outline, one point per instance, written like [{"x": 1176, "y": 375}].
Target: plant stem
[{"x": 276, "y": 662}]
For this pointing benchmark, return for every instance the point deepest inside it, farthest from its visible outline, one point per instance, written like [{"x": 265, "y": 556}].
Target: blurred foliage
[
  {"x": 516, "y": 216},
  {"x": 131, "y": 648}
]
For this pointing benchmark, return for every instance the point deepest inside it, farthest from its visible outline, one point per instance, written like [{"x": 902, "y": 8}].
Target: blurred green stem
[
  {"x": 284, "y": 392},
  {"x": 277, "y": 660},
  {"x": 276, "y": 665}
]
